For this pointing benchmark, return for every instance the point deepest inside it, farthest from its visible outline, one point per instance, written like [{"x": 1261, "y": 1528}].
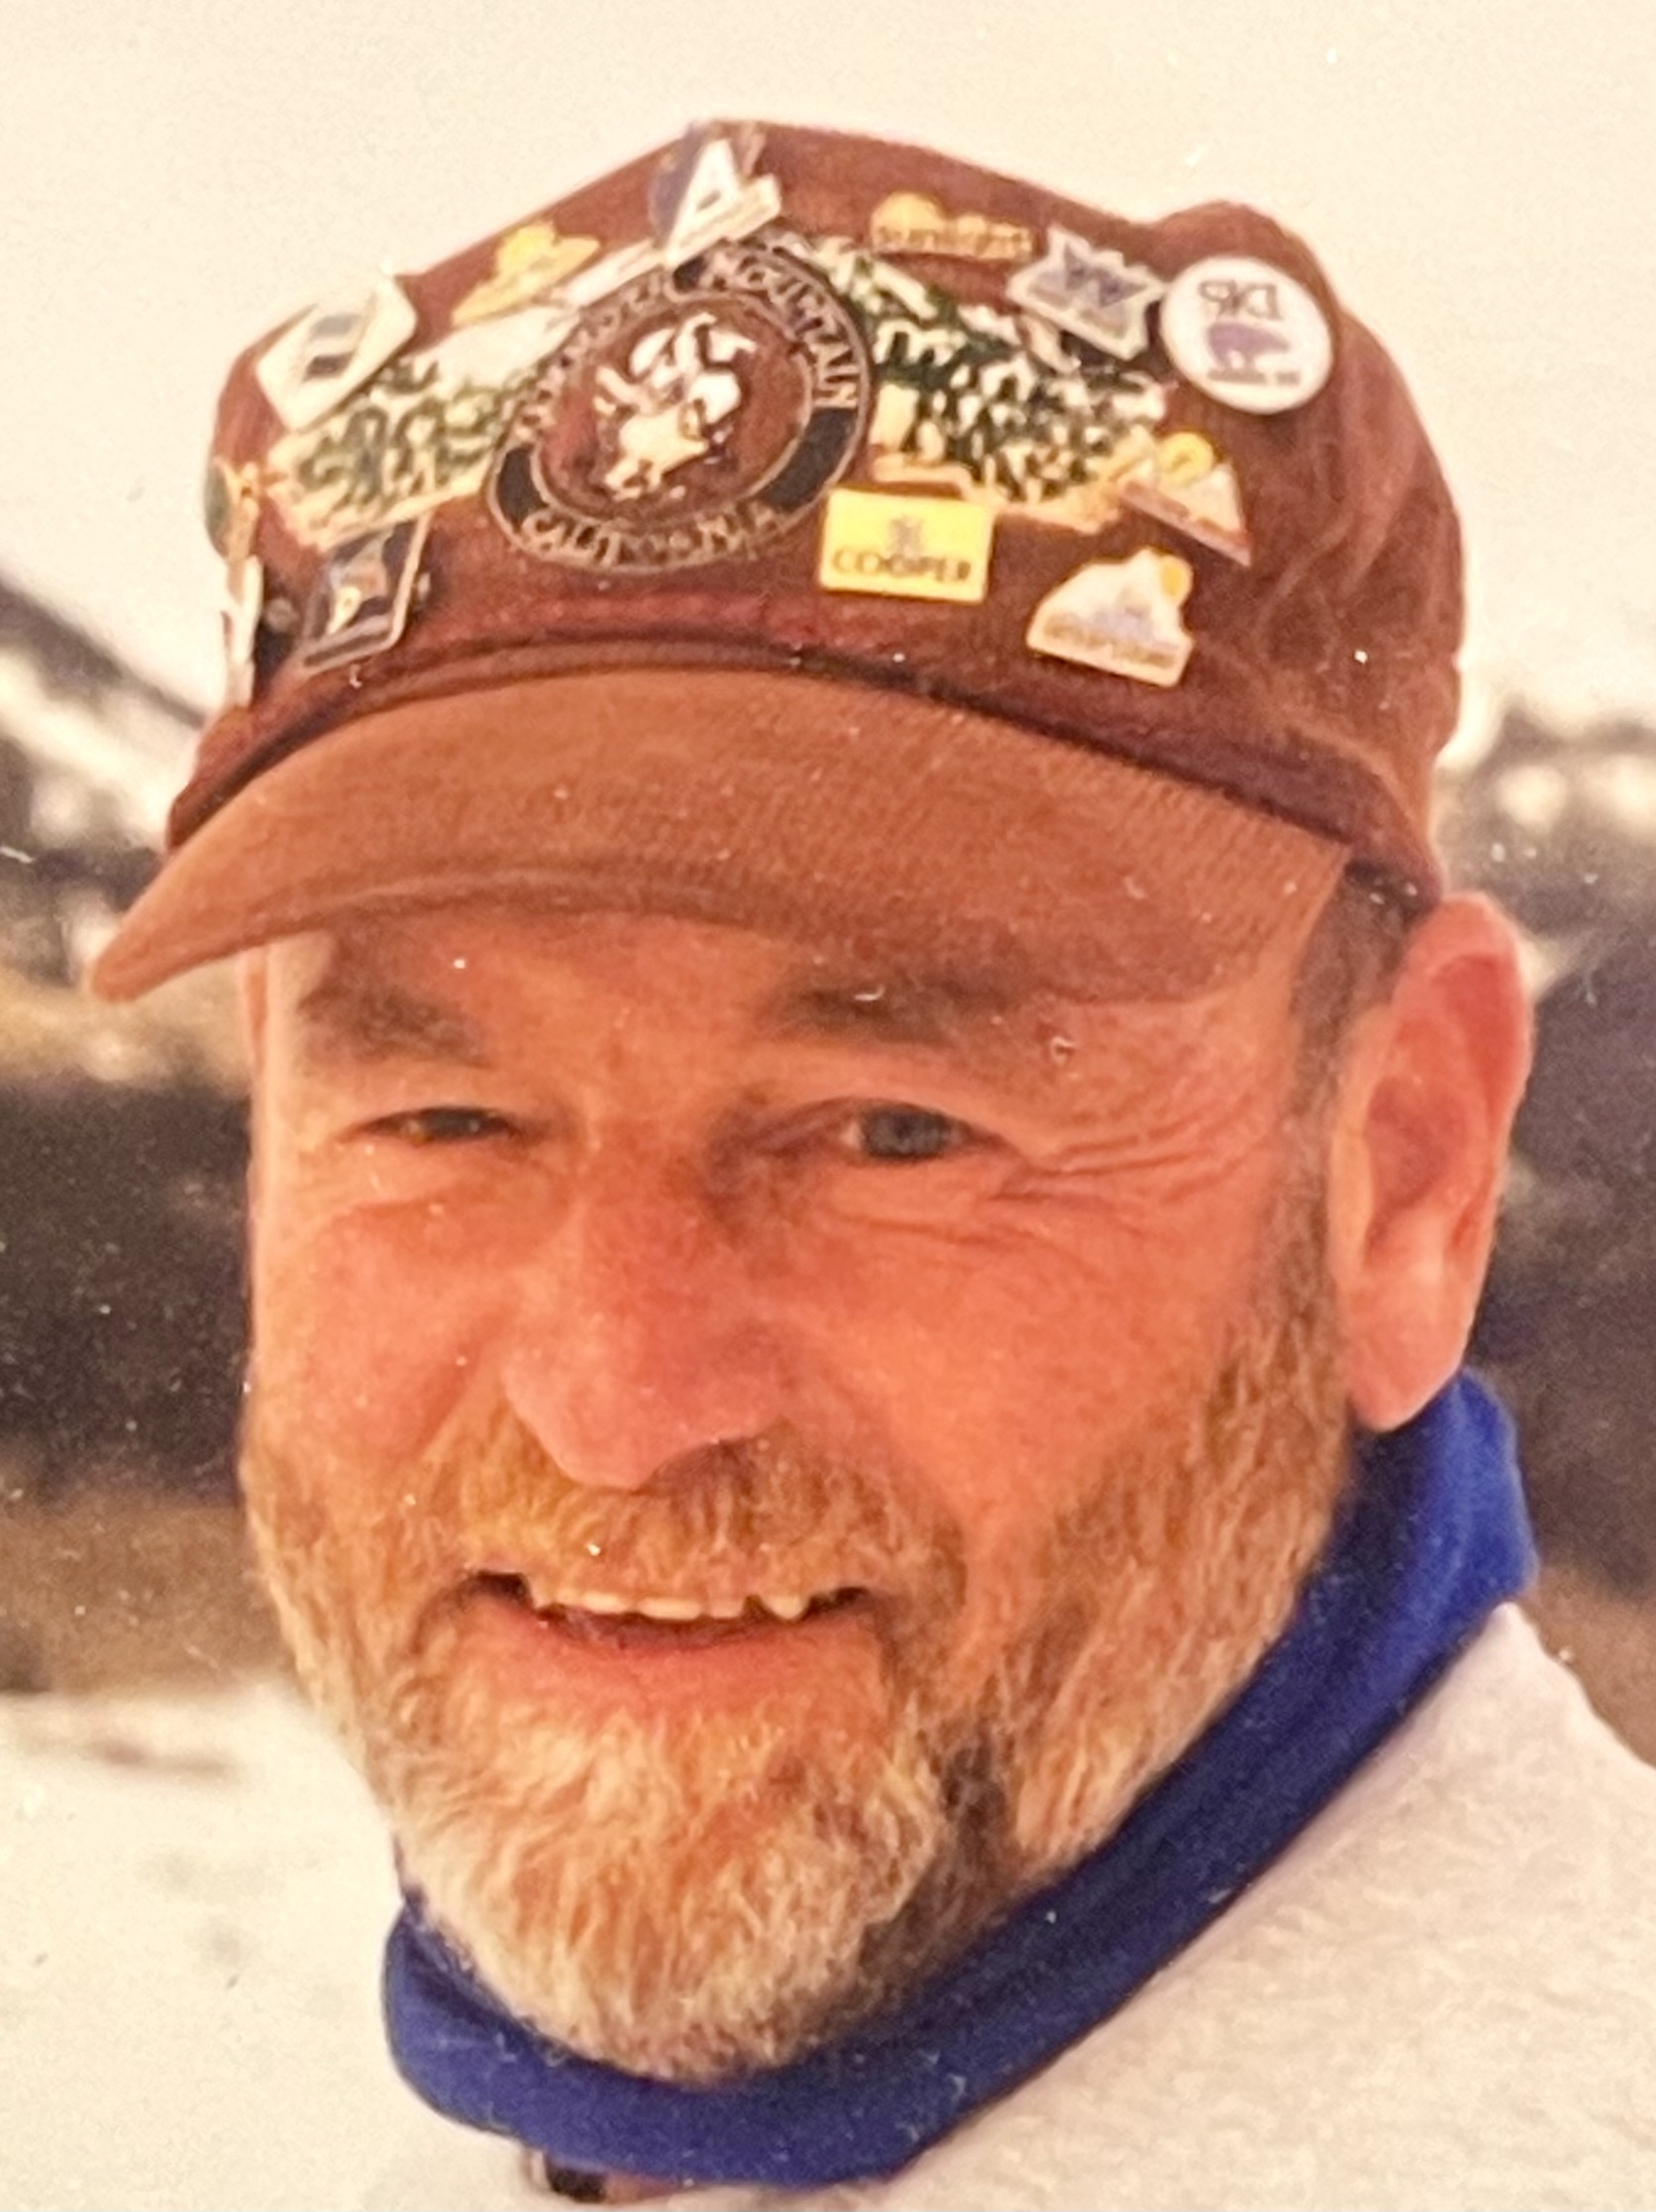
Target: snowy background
[{"x": 191, "y": 1891}]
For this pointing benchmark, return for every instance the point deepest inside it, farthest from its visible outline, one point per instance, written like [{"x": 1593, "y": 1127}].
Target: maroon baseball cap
[{"x": 817, "y": 532}]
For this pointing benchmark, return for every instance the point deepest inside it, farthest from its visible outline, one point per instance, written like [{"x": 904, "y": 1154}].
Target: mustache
[{"x": 770, "y": 1509}]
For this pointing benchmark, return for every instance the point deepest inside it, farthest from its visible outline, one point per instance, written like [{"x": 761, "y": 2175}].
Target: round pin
[
  {"x": 1246, "y": 334},
  {"x": 692, "y": 417}
]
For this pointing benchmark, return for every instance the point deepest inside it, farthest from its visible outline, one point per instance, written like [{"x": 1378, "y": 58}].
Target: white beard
[{"x": 766, "y": 1876}]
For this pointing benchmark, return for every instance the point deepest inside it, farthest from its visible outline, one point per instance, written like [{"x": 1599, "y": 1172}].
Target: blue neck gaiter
[{"x": 1432, "y": 1539}]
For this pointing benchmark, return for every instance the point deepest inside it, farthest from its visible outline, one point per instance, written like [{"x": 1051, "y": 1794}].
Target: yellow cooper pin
[{"x": 907, "y": 548}]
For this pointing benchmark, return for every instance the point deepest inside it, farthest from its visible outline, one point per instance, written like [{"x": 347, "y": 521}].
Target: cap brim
[{"x": 781, "y": 801}]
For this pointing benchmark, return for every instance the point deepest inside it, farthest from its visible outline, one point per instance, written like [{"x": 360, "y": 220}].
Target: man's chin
[
  {"x": 680, "y": 1901},
  {"x": 682, "y": 1889}
]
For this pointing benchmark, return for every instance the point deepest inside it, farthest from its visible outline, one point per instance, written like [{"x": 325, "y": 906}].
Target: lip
[{"x": 628, "y": 1659}]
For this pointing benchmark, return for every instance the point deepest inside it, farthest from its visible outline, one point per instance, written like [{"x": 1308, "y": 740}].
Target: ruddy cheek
[{"x": 359, "y": 1343}]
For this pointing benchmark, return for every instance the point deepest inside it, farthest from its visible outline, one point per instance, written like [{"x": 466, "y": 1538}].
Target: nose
[{"x": 637, "y": 1336}]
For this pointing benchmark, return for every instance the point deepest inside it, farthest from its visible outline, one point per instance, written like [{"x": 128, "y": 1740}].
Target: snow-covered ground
[{"x": 193, "y": 1893}]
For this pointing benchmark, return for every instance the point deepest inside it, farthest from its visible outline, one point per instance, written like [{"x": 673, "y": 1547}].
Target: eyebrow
[
  {"x": 966, "y": 1014},
  {"x": 349, "y": 1015},
  {"x": 901, "y": 1009},
  {"x": 354, "y": 1014}
]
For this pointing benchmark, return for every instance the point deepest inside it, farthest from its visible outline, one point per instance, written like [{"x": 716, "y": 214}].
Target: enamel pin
[
  {"x": 905, "y": 548},
  {"x": 1122, "y": 616},
  {"x": 1183, "y": 483},
  {"x": 705, "y": 194},
  {"x": 360, "y": 603},
  {"x": 916, "y": 223},
  {"x": 1093, "y": 291},
  {"x": 529, "y": 263},
  {"x": 1246, "y": 333},
  {"x": 327, "y": 354}
]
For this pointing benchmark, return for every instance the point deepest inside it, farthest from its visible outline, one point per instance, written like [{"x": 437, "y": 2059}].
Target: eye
[
  {"x": 899, "y": 1135},
  {"x": 440, "y": 1125}
]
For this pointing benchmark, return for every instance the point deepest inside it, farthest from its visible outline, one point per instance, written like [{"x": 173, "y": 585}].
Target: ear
[{"x": 1424, "y": 1118}]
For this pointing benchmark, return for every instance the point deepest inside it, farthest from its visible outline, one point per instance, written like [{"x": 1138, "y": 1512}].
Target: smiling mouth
[{"x": 601, "y": 1616}]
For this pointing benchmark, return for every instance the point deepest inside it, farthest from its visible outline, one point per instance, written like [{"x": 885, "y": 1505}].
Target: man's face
[{"x": 765, "y": 1453}]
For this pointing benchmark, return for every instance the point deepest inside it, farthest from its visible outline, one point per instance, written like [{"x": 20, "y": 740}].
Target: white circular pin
[{"x": 1247, "y": 333}]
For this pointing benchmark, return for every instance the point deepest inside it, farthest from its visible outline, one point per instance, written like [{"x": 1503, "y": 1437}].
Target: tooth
[
  {"x": 546, "y": 1596},
  {"x": 596, "y": 1601},
  {"x": 549, "y": 1597}
]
